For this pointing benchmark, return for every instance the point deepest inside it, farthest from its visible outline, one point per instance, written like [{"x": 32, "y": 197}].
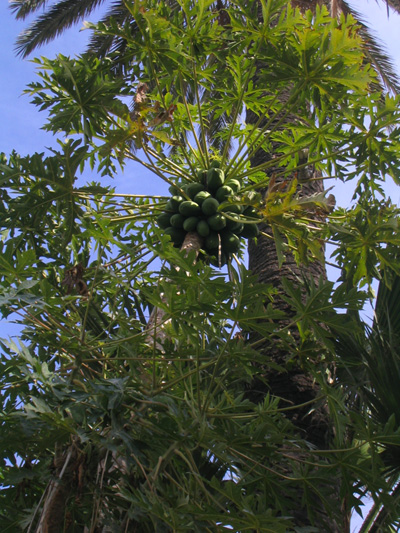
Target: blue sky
[
  {"x": 20, "y": 127},
  {"x": 21, "y": 122}
]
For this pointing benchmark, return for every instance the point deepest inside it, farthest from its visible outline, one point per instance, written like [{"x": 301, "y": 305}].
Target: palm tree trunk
[{"x": 293, "y": 385}]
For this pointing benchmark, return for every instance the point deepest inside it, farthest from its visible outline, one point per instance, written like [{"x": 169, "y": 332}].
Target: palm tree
[{"x": 295, "y": 386}]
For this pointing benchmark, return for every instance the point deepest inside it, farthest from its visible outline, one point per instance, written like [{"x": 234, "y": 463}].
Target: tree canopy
[{"x": 111, "y": 419}]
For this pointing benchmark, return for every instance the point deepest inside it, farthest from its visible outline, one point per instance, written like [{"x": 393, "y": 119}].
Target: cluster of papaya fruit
[{"x": 203, "y": 206}]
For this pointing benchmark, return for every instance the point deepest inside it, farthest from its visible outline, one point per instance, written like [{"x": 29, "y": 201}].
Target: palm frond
[
  {"x": 369, "y": 368},
  {"x": 393, "y": 4},
  {"x": 372, "y": 361},
  {"x": 384, "y": 363},
  {"x": 23, "y": 8},
  {"x": 101, "y": 44},
  {"x": 387, "y": 309},
  {"x": 53, "y": 22},
  {"x": 380, "y": 516}
]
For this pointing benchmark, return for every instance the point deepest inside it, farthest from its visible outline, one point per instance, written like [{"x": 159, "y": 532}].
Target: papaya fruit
[
  {"x": 234, "y": 209},
  {"x": 202, "y": 228},
  {"x": 177, "y": 220},
  {"x": 233, "y": 184},
  {"x": 191, "y": 223},
  {"x": 223, "y": 193},
  {"x": 234, "y": 222},
  {"x": 212, "y": 241},
  {"x": 217, "y": 221},
  {"x": 188, "y": 208},
  {"x": 210, "y": 206},
  {"x": 177, "y": 235},
  {"x": 201, "y": 196},
  {"x": 217, "y": 259},
  {"x": 250, "y": 231},
  {"x": 175, "y": 201},
  {"x": 193, "y": 188},
  {"x": 163, "y": 220},
  {"x": 230, "y": 242},
  {"x": 251, "y": 212},
  {"x": 215, "y": 178},
  {"x": 170, "y": 206},
  {"x": 173, "y": 190},
  {"x": 201, "y": 176}
]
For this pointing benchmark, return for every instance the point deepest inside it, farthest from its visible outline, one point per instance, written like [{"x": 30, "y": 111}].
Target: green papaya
[
  {"x": 215, "y": 178},
  {"x": 201, "y": 196},
  {"x": 217, "y": 221},
  {"x": 230, "y": 242},
  {"x": 163, "y": 220},
  {"x": 177, "y": 220},
  {"x": 235, "y": 226},
  {"x": 223, "y": 193},
  {"x": 233, "y": 184},
  {"x": 177, "y": 235},
  {"x": 250, "y": 231},
  {"x": 191, "y": 223},
  {"x": 201, "y": 176},
  {"x": 233, "y": 222},
  {"x": 251, "y": 213},
  {"x": 210, "y": 206},
  {"x": 193, "y": 188},
  {"x": 175, "y": 201},
  {"x": 212, "y": 241},
  {"x": 202, "y": 228},
  {"x": 233, "y": 208},
  {"x": 217, "y": 259},
  {"x": 188, "y": 208},
  {"x": 173, "y": 189},
  {"x": 170, "y": 206}
]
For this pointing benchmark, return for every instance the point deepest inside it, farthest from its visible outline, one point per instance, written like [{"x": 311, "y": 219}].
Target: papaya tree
[
  {"x": 126, "y": 404},
  {"x": 263, "y": 258}
]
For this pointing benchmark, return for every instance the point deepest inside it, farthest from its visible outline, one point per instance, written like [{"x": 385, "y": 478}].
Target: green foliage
[
  {"x": 368, "y": 241},
  {"x": 369, "y": 366},
  {"x": 151, "y": 427}
]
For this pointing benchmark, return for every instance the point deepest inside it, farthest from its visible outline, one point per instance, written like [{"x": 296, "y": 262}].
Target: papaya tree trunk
[
  {"x": 156, "y": 333},
  {"x": 58, "y": 492}
]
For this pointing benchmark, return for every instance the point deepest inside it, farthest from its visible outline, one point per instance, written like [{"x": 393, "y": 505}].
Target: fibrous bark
[{"x": 292, "y": 385}]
